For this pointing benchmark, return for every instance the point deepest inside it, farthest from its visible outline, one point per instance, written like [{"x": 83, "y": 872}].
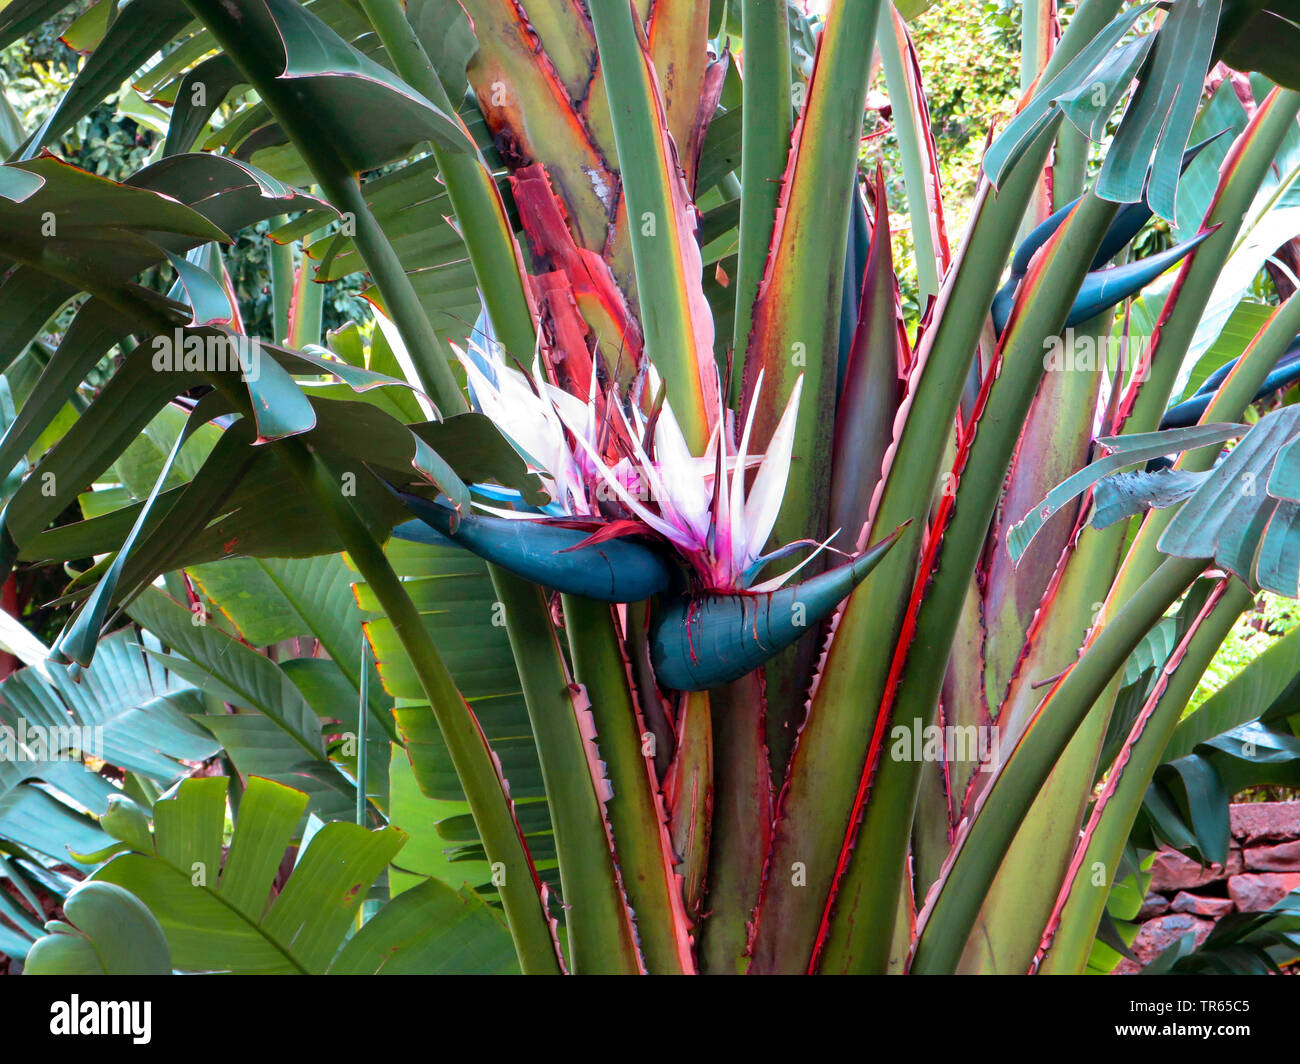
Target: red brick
[
  {"x": 1153, "y": 905},
  {"x": 1256, "y": 892},
  {"x": 1172, "y": 871},
  {"x": 1159, "y": 934},
  {"x": 1265, "y": 821},
  {"x": 1199, "y": 905},
  {"x": 1284, "y": 857}
]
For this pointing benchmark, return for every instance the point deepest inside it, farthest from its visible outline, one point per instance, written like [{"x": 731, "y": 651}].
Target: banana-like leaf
[
  {"x": 1123, "y": 495},
  {"x": 1266, "y": 42},
  {"x": 125, "y": 709},
  {"x": 22, "y": 16},
  {"x": 137, "y": 717},
  {"x": 1262, "y": 218},
  {"x": 58, "y": 213},
  {"x": 109, "y": 932},
  {"x": 1229, "y": 516},
  {"x": 141, "y": 28},
  {"x": 320, "y": 75},
  {"x": 430, "y": 929},
  {"x": 1187, "y": 804},
  {"x": 277, "y": 735},
  {"x": 1124, "y": 451},
  {"x": 1148, "y": 148},
  {"x": 249, "y": 489},
  {"x": 1092, "y": 65},
  {"x": 231, "y": 917}
]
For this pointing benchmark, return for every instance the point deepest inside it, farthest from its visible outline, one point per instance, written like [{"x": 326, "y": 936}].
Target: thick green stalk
[
  {"x": 1235, "y": 19},
  {"x": 599, "y": 924},
  {"x": 645, "y": 854},
  {"x": 664, "y": 256},
  {"x": 1082, "y": 912},
  {"x": 828, "y": 761},
  {"x": 767, "y": 120},
  {"x": 797, "y": 318},
  {"x": 1035, "y": 31},
  {"x": 979, "y": 853},
  {"x": 742, "y": 823},
  {"x": 688, "y": 792},
  {"x": 470, "y": 754},
  {"x": 363, "y": 728},
  {"x": 869, "y": 894},
  {"x": 1035, "y": 50},
  {"x": 837, "y": 735},
  {"x": 907, "y": 128},
  {"x": 308, "y": 300},
  {"x": 426, "y": 351},
  {"x": 1070, "y": 944},
  {"x": 282, "y": 281},
  {"x": 1228, "y": 405},
  {"x": 470, "y": 187},
  {"x": 1070, "y": 167},
  {"x": 599, "y": 931}
]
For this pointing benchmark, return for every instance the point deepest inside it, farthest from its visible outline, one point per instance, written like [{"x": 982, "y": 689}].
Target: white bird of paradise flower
[{"x": 696, "y": 503}]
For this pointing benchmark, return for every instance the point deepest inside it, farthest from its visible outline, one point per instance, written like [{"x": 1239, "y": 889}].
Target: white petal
[
  {"x": 661, "y": 526},
  {"x": 777, "y": 581},
  {"x": 514, "y": 515},
  {"x": 740, "y": 541},
  {"x": 769, "y": 485},
  {"x": 688, "y": 495}
]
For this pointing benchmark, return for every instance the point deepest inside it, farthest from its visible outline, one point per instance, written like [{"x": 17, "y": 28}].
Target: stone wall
[{"x": 1263, "y": 867}]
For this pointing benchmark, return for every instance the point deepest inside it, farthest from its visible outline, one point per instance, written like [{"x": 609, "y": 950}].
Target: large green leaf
[
  {"x": 139, "y": 29},
  {"x": 459, "y": 607},
  {"x": 1145, "y": 158},
  {"x": 1081, "y": 70},
  {"x": 109, "y": 933},
  {"x": 363, "y": 113},
  {"x": 277, "y": 734},
  {"x": 1246, "y": 697},
  {"x": 1267, "y": 43},
  {"x": 229, "y": 918},
  {"x": 124, "y": 708},
  {"x": 430, "y": 930}
]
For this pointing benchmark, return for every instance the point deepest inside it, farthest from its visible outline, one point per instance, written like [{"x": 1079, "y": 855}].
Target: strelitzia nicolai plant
[{"x": 683, "y": 278}]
